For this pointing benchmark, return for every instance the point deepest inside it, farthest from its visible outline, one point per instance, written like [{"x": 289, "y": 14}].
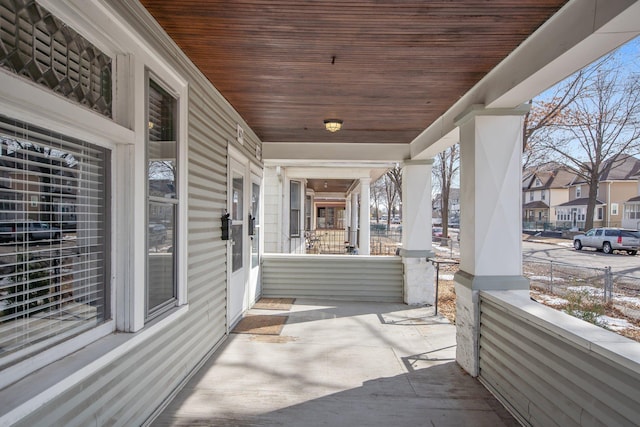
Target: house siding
[
  {"x": 272, "y": 210},
  {"x": 620, "y": 193},
  {"x": 348, "y": 278},
  {"x": 552, "y": 378},
  {"x": 128, "y": 390}
]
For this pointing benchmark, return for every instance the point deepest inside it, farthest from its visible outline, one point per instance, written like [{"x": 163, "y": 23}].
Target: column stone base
[
  {"x": 467, "y": 328},
  {"x": 468, "y": 289},
  {"x": 419, "y": 281}
]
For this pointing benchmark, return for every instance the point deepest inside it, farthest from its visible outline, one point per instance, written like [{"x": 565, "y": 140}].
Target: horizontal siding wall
[
  {"x": 349, "y": 278},
  {"x": 549, "y": 380},
  {"x": 131, "y": 389}
]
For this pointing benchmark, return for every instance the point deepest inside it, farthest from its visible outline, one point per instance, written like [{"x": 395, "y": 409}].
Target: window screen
[{"x": 54, "y": 257}]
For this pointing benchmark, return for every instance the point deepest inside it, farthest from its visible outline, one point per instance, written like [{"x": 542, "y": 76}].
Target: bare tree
[
  {"x": 395, "y": 175},
  {"x": 545, "y": 113},
  {"x": 384, "y": 192},
  {"x": 445, "y": 167},
  {"x": 601, "y": 123},
  {"x": 377, "y": 191},
  {"x": 390, "y": 197}
]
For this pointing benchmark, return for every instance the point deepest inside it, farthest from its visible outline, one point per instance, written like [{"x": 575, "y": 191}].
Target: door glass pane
[
  {"x": 237, "y": 214},
  {"x": 237, "y": 194},
  {"x": 236, "y": 251},
  {"x": 255, "y": 239}
]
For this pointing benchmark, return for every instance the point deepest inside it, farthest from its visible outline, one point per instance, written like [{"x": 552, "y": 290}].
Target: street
[{"x": 619, "y": 263}]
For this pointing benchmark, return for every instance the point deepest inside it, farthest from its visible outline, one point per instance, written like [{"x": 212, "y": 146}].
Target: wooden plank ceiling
[{"x": 388, "y": 69}]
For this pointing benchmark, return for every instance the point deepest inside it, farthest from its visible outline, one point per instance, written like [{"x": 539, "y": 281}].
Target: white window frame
[
  {"x": 578, "y": 191},
  {"x": 40, "y": 107},
  {"x": 614, "y": 209},
  {"x": 133, "y": 319},
  {"x": 300, "y": 202}
]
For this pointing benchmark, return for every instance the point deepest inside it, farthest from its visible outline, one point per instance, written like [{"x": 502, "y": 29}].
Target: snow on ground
[
  {"x": 546, "y": 278},
  {"x": 445, "y": 276},
  {"x": 615, "y": 324},
  {"x": 590, "y": 290},
  {"x": 598, "y": 293},
  {"x": 627, "y": 299},
  {"x": 550, "y": 299}
]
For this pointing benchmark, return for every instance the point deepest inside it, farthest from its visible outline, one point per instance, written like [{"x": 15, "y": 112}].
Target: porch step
[{"x": 346, "y": 278}]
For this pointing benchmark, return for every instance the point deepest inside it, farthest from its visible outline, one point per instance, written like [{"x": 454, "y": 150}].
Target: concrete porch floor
[{"x": 339, "y": 364}]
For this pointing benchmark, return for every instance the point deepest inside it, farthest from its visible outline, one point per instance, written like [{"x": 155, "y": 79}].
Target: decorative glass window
[
  {"x": 54, "y": 245},
  {"x": 162, "y": 199},
  {"x": 38, "y": 46},
  {"x": 294, "y": 202}
]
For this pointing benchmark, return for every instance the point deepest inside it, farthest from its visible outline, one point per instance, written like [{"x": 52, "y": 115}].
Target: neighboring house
[
  {"x": 631, "y": 216},
  {"x": 617, "y": 186},
  {"x": 542, "y": 189}
]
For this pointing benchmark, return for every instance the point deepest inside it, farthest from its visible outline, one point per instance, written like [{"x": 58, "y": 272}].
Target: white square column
[
  {"x": 353, "y": 238},
  {"x": 490, "y": 218},
  {"x": 419, "y": 274},
  {"x": 365, "y": 216},
  {"x": 347, "y": 218}
]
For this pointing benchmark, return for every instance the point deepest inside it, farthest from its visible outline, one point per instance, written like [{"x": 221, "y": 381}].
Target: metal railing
[
  {"x": 437, "y": 263},
  {"x": 385, "y": 242}
]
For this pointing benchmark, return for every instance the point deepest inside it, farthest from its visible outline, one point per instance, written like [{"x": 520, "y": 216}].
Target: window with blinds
[{"x": 54, "y": 254}]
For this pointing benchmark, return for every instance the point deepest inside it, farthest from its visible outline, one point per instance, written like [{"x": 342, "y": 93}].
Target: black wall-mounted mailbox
[
  {"x": 226, "y": 226},
  {"x": 252, "y": 225}
]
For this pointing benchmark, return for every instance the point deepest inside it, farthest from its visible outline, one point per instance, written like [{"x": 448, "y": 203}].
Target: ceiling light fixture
[{"x": 333, "y": 125}]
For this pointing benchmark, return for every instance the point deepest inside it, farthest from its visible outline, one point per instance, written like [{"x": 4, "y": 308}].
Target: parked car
[
  {"x": 436, "y": 231},
  {"x": 608, "y": 240},
  {"x": 157, "y": 233},
  {"x": 29, "y": 230},
  {"x": 7, "y": 231}
]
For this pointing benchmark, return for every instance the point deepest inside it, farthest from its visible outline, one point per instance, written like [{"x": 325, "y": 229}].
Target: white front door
[{"x": 238, "y": 209}]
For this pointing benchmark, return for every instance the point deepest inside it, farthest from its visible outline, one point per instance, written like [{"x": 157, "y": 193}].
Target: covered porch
[
  {"x": 246, "y": 88},
  {"x": 327, "y": 362}
]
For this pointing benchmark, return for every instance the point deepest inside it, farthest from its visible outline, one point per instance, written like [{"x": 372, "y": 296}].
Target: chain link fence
[{"x": 560, "y": 284}]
